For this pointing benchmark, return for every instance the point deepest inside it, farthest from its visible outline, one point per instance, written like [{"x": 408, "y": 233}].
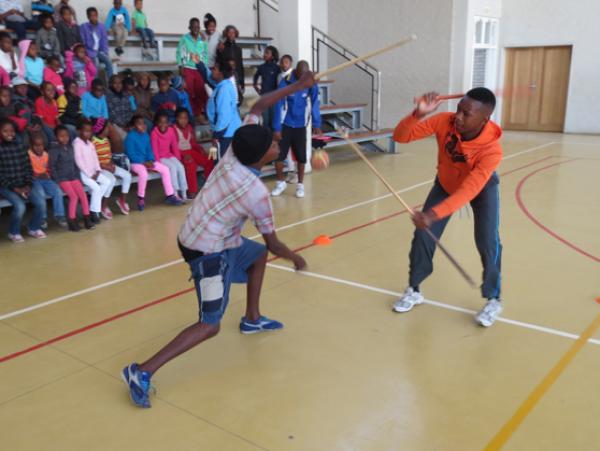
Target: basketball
[{"x": 319, "y": 160}]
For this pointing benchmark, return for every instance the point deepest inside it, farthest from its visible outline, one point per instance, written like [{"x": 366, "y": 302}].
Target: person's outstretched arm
[{"x": 266, "y": 101}]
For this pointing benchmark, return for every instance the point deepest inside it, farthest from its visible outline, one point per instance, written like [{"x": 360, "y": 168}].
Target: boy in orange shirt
[
  {"x": 43, "y": 184},
  {"x": 469, "y": 153}
]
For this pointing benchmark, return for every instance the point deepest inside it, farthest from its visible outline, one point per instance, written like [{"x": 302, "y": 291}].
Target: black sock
[{"x": 416, "y": 289}]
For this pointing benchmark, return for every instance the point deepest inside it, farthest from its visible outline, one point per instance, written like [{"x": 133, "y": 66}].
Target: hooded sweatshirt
[
  {"x": 165, "y": 145},
  {"x": 32, "y": 69},
  {"x": 464, "y": 171}
]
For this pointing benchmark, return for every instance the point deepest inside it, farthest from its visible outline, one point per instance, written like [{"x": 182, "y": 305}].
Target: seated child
[
  {"x": 109, "y": 169},
  {"x": 47, "y": 109},
  {"x": 46, "y": 38},
  {"x": 58, "y": 7},
  {"x": 32, "y": 66},
  {"x": 65, "y": 172},
  {"x": 192, "y": 153},
  {"x": 79, "y": 67},
  {"x": 93, "y": 103},
  {"x": 9, "y": 109},
  {"x": 69, "y": 108},
  {"x": 139, "y": 151},
  {"x": 52, "y": 73},
  {"x": 91, "y": 173},
  {"x": 8, "y": 57},
  {"x": 43, "y": 183},
  {"x": 166, "y": 99},
  {"x": 95, "y": 39},
  {"x": 119, "y": 23},
  {"x": 140, "y": 24},
  {"x": 67, "y": 30},
  {"x": 178, "y": 84},
  {"x": 121, "y": 108},
  {"x": 166, "y": 150},
  {"x": 16, "y": 181}
]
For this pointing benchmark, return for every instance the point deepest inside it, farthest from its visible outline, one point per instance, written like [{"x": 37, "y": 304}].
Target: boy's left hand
[
  {"x": 317, "y": 131},
  {"x": 424, "y": 219},
  {"x": 299, "y": 262}
]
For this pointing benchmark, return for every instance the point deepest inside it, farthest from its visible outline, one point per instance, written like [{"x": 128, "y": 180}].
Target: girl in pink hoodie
[
  {"x": 165, "y": 146},
  {"x": 80, "y": 67}
]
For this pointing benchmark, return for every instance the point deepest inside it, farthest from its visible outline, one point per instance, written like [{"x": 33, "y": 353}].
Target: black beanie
[{"x": 251, "y": 142}]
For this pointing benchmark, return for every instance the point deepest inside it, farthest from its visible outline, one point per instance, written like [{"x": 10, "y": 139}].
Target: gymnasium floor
[{"x": 346, "y": 373}]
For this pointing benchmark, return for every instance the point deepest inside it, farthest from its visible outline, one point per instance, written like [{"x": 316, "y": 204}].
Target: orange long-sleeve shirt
[{"x": 463, "y": 169}]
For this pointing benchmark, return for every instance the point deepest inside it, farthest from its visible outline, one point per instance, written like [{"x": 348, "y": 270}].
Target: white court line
[
  {"x": 547, "y": 330},
  {"x": 175, "y": 262}
]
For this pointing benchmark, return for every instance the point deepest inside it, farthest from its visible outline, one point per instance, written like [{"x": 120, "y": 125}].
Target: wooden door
[{"x": 536, "y": 85}]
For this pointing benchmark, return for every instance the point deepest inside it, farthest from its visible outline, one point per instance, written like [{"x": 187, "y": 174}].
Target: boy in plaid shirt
[{"x": 211, "y": 243}]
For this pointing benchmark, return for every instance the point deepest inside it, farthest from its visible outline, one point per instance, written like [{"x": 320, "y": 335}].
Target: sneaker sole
[
  {"x": 251, "y": 332},
  {"x": 402, "y": 310}
]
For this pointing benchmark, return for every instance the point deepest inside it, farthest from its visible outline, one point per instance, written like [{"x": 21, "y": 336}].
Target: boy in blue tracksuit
[
  {"x": 289, "y": 124},
  {"x": 221, "y": 109}
]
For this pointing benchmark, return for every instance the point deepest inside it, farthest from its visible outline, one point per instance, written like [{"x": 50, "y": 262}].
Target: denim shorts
[{"x": 213, "y": 275}]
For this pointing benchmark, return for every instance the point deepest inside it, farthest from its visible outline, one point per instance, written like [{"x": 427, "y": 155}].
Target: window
[{"x": 485, "y": 53}]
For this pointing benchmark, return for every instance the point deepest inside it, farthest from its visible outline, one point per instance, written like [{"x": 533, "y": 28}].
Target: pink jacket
[
  {"x": 165, "y": 145},
  {"x": 55, "y": 79},
  {"x": 90, "y": 71},
  {"x": 86, "y": 157}
]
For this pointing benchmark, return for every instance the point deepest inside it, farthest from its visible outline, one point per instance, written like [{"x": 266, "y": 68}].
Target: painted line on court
[
  {"x": 509, "y": 428},
  {"x": 525, "y": 325},
  {"x": 66, "y": 297},
  {"x": 537, "y": 222},
  {"x": 158, "y": 301}
]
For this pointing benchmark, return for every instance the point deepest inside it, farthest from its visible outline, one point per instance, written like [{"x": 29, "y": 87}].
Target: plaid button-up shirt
[
  {"x": 15, "y": 166},
  {"x": 231, "y": 195}
]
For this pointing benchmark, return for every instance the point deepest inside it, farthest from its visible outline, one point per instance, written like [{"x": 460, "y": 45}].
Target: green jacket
[{"x": 188, "y": 47}]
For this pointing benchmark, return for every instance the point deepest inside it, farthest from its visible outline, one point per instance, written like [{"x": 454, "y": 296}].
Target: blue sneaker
[
  {"x": 139, "y": 385},
  {"x": 173, "y": 200},
  {"x": 263, "y": 324}
]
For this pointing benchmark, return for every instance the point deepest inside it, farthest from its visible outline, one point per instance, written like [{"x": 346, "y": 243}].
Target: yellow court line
[{"x": 534, "y": 397}]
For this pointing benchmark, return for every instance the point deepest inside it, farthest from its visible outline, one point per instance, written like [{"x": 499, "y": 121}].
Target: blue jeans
[
  {"x": 104, "y": 59},
  {"x": 146, "y": 35},
  {"x": 213, "y": 275},
  {"x": 20, "y": 28},
  {"x": 19, "y": 207},
  {"x": 486, "y": 212},
  {"x": 48, "y": 187}
]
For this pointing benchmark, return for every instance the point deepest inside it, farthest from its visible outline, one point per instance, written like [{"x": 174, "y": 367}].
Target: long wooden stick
[
  {"x": 445, "y": 97},
  {"x": 454, "y": 262},
  {"x": 352, "y": 62}
]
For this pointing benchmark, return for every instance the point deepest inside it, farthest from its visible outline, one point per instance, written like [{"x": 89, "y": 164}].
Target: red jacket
[
  {"x": 47, "y": 111},
  {"x": 464, "y": 171}
]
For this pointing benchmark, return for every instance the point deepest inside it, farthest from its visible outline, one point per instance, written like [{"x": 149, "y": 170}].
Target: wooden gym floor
[{"x": 346, "y": 373}]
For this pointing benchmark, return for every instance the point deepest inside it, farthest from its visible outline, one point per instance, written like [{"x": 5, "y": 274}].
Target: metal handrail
[{"x": 320, "y": 37}]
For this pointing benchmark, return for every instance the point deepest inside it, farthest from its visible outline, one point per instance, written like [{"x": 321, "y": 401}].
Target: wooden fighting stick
[
  {"x": 352, "y": 62},
  {"x": 453, "y": 261}
]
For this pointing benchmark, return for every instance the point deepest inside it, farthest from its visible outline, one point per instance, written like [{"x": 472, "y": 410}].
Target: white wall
[
  {"x": 271, "y": 26},
  {"x": 172, "y": 16},
  {"x": 410, "y": 70},
  {"x": 559, "y": 22}
]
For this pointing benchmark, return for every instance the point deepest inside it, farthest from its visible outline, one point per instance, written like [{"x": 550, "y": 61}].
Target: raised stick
[
  {"x": 455, "y": 263},
  {"x": 446, "y": 97},
  {"x": 352, "y": 62}
]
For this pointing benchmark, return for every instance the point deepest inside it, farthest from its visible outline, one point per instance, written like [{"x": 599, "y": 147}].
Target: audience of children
[{"x": 61, "y": 129}]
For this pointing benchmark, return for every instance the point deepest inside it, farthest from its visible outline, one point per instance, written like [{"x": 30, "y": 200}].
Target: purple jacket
[{"x": 87, "y": 36}]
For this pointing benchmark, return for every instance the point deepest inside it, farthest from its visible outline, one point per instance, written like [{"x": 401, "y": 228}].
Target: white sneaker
[
  {"x": 279, "y": 189},
  {"x": 409, "y": 299},
  {"x": 18, "y": 238},
  {"x": 490, "y": 313},
  {"x": 39, "y": 234},
  {"x": 300, "y": 191}
]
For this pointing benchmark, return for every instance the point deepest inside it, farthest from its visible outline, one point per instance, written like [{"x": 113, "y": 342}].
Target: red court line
[
  {"x": 532, "y": 218},
  {"x": 188, "y": 290}
]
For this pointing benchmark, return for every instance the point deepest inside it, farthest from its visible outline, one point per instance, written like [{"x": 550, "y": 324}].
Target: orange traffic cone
[{"x": 322, "y": 240}]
